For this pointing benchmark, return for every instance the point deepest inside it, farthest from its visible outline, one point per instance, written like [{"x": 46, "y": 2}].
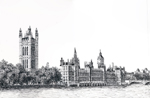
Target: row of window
[
  {"x": 25, "y": 63},
  {"x": 66, "y": 73},
  {"x": 84, "y": 74},
  {"x": 67, "y": 68},
  {"x": 65, "y": 78},
  {"x": 25, "y": 51},
  {"x": 68, "y": 78},
  {"x": 83, "y": 79},
  {"x": 97, "y": 78}
]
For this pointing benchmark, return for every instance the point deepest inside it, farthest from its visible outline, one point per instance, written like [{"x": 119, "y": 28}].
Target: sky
[{"x": 120, "y": 28}]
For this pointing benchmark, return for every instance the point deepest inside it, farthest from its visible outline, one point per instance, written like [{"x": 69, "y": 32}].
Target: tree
[
  {"x": 20, "y": 68},
  {"x": 146, "y": 76},
  {"x": 139, "y": 76},
  {"x": 47, "y": 65},
  {"x": 10, "y": 74},
  {"x": 56, "y": 74}
]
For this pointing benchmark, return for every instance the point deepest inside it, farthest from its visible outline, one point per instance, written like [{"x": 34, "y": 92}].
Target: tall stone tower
[
  {"x": 100, "y": 60},
  {"x": 28, "y": 50},
  {"x": 76, "y": 63},
  {"x": 101, "y": 65}
]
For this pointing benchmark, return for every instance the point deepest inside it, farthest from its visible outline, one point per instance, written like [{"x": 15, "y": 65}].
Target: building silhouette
[
  {"x": 72, "y": 74},
  {"x": 28, "y": 49}
]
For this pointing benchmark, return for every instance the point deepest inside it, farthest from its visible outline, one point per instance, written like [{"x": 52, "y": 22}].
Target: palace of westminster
[{"x": 71, "y": 72}]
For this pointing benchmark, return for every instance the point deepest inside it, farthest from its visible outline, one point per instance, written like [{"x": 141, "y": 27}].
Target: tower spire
[
  {"x": 100, "y": 54},
  {"x": 75, "y": 51}
]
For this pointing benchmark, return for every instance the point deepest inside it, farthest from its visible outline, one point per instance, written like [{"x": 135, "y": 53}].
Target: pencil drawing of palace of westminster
[
  {"x": 28, "y": 50},
  {"x": 72, "y": 74}
]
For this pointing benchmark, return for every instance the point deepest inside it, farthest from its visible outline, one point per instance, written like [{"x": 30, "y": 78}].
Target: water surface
[{"x": 133, "y": 91}]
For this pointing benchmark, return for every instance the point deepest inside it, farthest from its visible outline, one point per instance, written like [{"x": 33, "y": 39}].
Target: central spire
[
  {"x": 29, "y": 31},
  {"x": 75, "y": 51},
  {"x": 75, "y": 58}
]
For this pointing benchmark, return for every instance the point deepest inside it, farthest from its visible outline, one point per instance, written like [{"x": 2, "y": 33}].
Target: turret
[
  {"x": 20, "y": 46},
  {"x": 91, "y": 64},
  {"x": 29, "y": 30},
  {"x": 36, "y": 33},
  {"x": 36, "y": 47},
  {"x": 61, "y": 62},
  {"x": 20, "y": 33}
]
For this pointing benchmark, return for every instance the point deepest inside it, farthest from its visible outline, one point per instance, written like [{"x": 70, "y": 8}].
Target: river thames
[{"x": 132, "y": 91}]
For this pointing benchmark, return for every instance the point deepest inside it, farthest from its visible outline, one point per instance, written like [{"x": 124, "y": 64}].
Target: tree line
[
  {"x": 142, "y": 76},
  {"x": 17, "y": 75}
]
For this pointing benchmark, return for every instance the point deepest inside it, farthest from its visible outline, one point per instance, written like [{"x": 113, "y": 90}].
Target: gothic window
[
  {"x": 23, "y": 63},
  {"x": 33, "y": 51},
  {"x": 27, "y": 61},
  {"x": 23, "y": 51},
  {"x": 33, "y": 64},
  {"x": 27, "y": 50}
]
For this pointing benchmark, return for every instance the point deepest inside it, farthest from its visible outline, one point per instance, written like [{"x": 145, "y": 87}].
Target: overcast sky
[{"x": 118, "y": 27}]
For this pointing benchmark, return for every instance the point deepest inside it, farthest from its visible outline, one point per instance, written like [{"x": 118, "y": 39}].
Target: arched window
[
  {"x": 27, "y": 50},
  {"x": 23, "y": 51},
  {"x": 24, "y": 63},
  {"x": 27, "y": 60}
]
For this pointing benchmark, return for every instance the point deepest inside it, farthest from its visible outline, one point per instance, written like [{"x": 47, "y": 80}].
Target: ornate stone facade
[
  {"x": 70, "y": 70},
  {"x": 28, "y": 49},
  {"x": 72, "y": 74}
]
